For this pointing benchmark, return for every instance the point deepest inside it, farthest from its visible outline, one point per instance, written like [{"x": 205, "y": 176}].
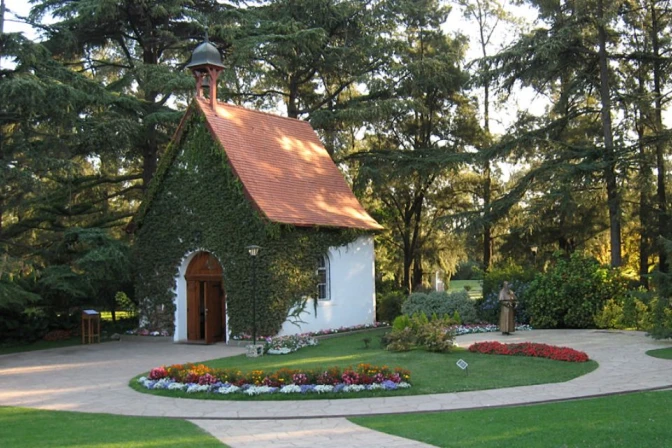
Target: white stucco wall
[
  {"x": 351, "y": 286},
  {"x": 352, "y": 291}
]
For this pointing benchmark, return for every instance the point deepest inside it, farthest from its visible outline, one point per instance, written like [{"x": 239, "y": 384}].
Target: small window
[{"x": 323, "y": 278}]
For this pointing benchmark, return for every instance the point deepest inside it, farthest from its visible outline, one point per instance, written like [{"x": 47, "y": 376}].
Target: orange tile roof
[{"x": 284, "y": 168}]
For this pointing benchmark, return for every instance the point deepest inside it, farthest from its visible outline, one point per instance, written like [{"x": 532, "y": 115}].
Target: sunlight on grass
[
  {"x": 640, "y": 420},
  {"x": 78, "y": 430}
]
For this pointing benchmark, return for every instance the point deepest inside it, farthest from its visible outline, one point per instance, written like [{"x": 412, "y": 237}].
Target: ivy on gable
[{"x": 196, "y": 202}]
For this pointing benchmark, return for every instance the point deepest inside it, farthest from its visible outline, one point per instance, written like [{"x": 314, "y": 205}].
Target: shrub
[
  {"x": 388, "y": 305},
  {"x": 401, "y": 322},
  {"x": 399, "y": 340},
  {"x": 628, "y": 312},
  {"x": 435, "y": 335},
  {"x": 611, "y": 315},
  {"x": 468, "y": 270},
  {"x": 572, "y": 293},
  {"x": 441, "y": 304}
]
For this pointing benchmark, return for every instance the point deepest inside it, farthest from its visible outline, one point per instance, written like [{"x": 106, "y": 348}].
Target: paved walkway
[{"x": 94, "y": 378}]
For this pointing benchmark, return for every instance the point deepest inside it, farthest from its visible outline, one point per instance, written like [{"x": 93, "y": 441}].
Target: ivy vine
[{"x": 196, "y": 202}]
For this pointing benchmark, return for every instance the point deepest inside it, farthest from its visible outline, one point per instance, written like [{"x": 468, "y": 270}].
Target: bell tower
[{"x": 206, "y": 65}]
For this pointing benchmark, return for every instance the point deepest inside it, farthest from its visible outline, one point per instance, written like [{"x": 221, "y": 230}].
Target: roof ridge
[{"x": 206, "y": 101}]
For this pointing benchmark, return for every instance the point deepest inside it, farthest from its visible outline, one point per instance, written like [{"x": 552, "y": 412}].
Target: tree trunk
[
  {"x": 661, "y": 197},
  {"x": 613, "y": 199}
]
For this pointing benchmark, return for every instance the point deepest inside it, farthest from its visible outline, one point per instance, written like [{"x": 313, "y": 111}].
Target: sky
[{"x": 21, "y": 8}]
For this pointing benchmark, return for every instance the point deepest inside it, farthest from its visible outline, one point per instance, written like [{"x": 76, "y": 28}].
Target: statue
[{"x": 507, "y": 300}]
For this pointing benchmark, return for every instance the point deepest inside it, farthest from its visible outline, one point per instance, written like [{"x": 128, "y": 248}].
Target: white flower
[
  {"x": 177, "y": 386},
  {"x": 376, "y": 386},
  {"x": 403, "y": 385},
  {"x": 230, "y": 389},
  {"x": 354, "y": 388},
  {"x": 279, "y": 351},
  {"x": 256, "y": 390},
  {"x": 324, "y": 388},
  {"x": 163, "y": 383},
  {"x": 193, "y": 388},
  {"x": 290, "y": 388}
]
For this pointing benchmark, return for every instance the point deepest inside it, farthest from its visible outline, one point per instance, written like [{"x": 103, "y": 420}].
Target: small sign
[
  {"x": 462, "y": 364},
  {"x": 90, "y": 312}
]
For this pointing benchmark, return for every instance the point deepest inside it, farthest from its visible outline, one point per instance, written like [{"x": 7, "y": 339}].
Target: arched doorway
[{"x": 206, "y": 300}]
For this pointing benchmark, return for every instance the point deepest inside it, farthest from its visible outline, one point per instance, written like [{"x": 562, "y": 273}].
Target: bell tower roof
[{"x": 206, "y": 54}]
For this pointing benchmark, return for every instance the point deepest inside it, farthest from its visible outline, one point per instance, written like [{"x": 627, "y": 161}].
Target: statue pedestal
[{"x": 255, "y": 351}]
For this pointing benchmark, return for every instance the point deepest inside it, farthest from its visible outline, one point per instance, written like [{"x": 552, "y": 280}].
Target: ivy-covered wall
[{"x": 195, "y": 202}]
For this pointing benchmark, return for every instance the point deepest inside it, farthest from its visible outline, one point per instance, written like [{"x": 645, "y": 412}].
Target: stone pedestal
[{"x": 254, "y": 351}]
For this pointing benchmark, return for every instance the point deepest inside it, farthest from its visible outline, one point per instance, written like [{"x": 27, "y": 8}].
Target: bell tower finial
[{"x": 206, "y": 65}]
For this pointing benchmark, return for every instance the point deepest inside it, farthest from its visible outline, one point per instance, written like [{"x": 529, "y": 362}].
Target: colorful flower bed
[
  {"x": 193, "y": 378},
  {"x": 529, "y": 349}
]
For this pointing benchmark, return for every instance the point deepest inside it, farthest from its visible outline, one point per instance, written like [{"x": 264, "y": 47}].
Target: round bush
[
  {"x": 572, "y": 293},
  {"x": 441, "y": 304}
]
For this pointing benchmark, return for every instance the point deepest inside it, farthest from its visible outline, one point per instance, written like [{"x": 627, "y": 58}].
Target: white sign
[{"x": 462, "y": 364}]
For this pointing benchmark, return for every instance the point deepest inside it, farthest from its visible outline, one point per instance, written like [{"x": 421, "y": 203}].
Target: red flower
[{"x": 529, "y": 349}]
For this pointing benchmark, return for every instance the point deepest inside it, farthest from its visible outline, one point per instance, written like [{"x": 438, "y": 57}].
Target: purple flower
[{"x": 389, "y": 385}]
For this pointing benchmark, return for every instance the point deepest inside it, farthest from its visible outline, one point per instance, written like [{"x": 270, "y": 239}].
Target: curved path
[{"x": 94, "y": 378}]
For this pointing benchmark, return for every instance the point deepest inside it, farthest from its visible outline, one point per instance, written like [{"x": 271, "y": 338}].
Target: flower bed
[
  {"x": 483, "y": 328},
  {"x": 283, "y": 345},
  {"x": 193, "y": 378},
  {"x": 529, "y": 349},
  {"x": 247, "y": 337}
]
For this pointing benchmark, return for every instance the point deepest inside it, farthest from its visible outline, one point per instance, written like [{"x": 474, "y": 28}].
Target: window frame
[{"x": 323, "y": 264}]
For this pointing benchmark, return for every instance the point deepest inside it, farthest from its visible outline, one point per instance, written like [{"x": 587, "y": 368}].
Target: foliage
[
  {"x": 468, "y": 270},
  {"x": 88, "y": 267},
  {"x": 196, "y": 203},
  {"x": 529, "y": 349},
  {"x": 572, "y": 292},
  {"x": 507, "y": 271},
  {"x": 628, "y": 311},
  {"x": 435, "y": 335},
  {"x": 441, "y": 303},
  {"x": 388, "y": 305},
  {"x": 401, "y": 322}
]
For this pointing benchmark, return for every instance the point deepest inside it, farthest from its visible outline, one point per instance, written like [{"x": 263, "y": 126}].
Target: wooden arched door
[{"x": 206, "y": 300}]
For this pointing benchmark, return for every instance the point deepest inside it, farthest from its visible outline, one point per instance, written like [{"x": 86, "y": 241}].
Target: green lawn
[
  {"x": 17, "y": 347},
  {"x": 430, "y": 372},
  {"x": 637, "y": 420},
  {"x": 475, "y": 291},
  {"x": 20, "y": 427},
  {"x": 663, "y": 353}
]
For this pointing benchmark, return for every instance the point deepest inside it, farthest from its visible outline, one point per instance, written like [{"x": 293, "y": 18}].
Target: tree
[
  {"x": 488, "y": 15},
  {"x": 135, "y": 48},
  {"x": 419, "y": 141}
]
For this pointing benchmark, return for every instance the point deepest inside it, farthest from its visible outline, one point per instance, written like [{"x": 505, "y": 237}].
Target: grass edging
[{"x": 431, "y": 373}]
